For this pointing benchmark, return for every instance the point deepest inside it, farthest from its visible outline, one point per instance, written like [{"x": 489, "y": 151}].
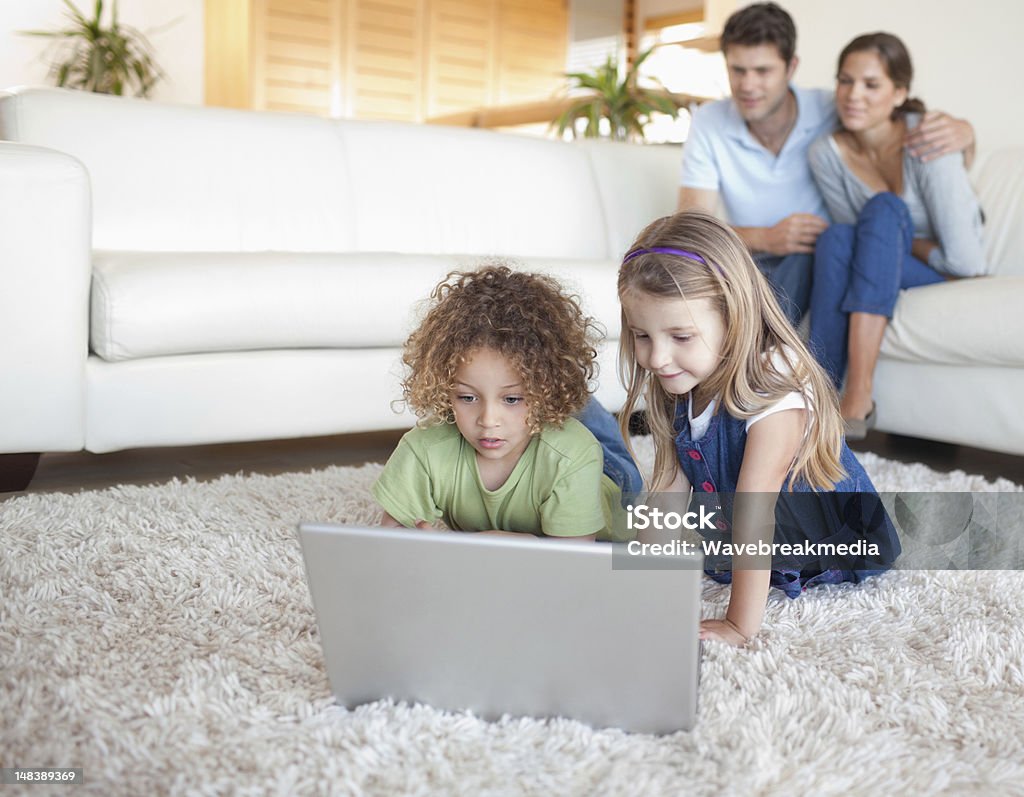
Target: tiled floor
[{"x": 72, "y": 472}]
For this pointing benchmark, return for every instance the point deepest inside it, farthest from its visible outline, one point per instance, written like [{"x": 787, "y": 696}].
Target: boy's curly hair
[{"x": 526, "y": 317}]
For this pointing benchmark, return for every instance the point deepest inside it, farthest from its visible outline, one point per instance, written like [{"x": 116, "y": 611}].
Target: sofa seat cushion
[
  {"x": 152, "y": 304},
  {"x": 960, "y": 322}
]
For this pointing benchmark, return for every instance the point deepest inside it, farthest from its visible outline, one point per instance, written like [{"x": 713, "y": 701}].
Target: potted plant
[
  {"x": 626, "y": 106},
  {"x": 106, "y": 59}
]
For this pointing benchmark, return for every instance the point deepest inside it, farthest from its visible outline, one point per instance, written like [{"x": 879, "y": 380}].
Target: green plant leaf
[
  {"x": 76, "y": 15},
  {"x": 112, "y": 60},
  {"x": 626, "y": 106}
]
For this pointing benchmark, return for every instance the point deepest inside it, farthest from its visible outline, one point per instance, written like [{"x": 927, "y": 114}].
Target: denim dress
[{"x": 852, "y": 512}]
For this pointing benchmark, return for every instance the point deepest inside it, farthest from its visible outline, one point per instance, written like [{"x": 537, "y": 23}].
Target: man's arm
[
  {"x": 940, "y": 134},
  {"x": 698, "y": 199},
  {"x": 794, "y": 234}
]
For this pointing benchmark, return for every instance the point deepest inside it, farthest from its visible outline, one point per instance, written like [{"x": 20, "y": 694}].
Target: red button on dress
[
  {"x": 708, "y": 487},
  {"x": 694, "y": 454}
]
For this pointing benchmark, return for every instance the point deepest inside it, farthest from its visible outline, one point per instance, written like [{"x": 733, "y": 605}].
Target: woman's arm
[
  {"x": 922, "y": 249},
  {"x": 954, "y": 214},
  {"x": 830, "y": 175},
  {"x": 772, "y": 445}
]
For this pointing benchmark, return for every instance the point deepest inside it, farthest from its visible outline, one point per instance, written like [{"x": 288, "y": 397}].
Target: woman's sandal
[{"x": 858, "y": 428}]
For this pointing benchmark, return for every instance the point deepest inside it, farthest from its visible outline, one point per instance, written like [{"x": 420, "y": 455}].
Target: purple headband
[{"x": 668, "y": 250}]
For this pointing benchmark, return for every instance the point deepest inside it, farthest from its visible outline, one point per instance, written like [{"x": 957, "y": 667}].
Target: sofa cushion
[
  {"x": 960, "y": 322},
  {"x": 158, "y": 304}
]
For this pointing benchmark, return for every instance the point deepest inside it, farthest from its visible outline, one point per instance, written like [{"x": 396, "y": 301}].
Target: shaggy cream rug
[{"x": 163, "y": 639}]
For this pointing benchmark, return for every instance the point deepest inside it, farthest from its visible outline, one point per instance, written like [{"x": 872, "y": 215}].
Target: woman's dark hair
[
  {"x": 895, "y": 58},
  {"x": 761, "y": 23}
]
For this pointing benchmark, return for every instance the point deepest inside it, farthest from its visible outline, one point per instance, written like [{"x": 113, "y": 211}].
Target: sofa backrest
[
  {"x": 637, "y": 185},
  {"x": 998, "y": 178},
  {"x": 437, "y": 190},
  {"x": 178, "y": 178}
]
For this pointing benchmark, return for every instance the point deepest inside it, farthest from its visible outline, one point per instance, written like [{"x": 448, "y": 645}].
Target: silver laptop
[{"x": 503, "y": 625}]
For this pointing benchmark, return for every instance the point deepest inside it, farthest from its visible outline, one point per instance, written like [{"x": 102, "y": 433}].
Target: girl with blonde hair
[{"x": 737, "y": 405}]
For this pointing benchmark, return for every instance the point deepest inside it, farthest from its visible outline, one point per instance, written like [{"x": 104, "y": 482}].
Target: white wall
[
  {"x": 595, "y": 32},
  {"x": 963, "y": 53},
  {"x": 173, "y": 27}
]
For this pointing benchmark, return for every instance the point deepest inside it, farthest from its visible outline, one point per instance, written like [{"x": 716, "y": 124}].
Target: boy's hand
[
  {"x": 424, "y": 525},
  {"x": 722, "y": 631}
]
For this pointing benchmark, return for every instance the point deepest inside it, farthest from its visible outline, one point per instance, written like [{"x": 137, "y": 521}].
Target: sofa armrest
[{"x": 45, "y": 269}]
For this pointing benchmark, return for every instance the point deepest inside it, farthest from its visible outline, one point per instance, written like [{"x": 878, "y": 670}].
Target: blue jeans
[
  {"x": 618, "y": 464},
  {"x": 790, "y": 277},
  {"x": 861, "y": 268}
]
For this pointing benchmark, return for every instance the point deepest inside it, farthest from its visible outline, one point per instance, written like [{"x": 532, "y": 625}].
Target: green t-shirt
[{"x": 557, "y": 488}]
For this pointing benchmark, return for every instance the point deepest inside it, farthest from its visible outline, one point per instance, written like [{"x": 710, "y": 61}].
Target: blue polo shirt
[{"x": 757, "y": 188}]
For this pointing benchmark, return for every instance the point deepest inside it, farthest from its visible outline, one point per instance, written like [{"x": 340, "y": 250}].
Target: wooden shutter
[
  {"x": 299, "y": 65},
  {"x": 462, "y": 55},
  {"x": 385, "y": 55},
  {"x": 384, "y": 59},
  {"x": 532, "y": 43}
]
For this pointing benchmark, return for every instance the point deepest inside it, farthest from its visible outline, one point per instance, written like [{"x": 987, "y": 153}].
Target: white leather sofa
[
  {"x": 952, "y": 360},
  {"x": 181, "y": 275}
]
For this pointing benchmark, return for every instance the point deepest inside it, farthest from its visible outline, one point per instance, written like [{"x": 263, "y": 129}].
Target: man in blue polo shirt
[{"x": 750, "y": 151}]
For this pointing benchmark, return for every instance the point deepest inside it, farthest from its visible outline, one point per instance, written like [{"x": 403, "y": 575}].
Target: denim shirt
[{"x": 852, "y": 511}]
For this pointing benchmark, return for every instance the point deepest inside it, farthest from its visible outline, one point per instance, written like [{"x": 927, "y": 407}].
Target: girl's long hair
[{"x": 762, "y": 357}]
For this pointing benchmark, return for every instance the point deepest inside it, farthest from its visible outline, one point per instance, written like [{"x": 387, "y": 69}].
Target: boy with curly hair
[{"x": 496, "y": 369}]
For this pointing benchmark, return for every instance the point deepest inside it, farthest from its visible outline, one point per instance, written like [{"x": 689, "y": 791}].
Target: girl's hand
[{"x": 722, "y": 631}]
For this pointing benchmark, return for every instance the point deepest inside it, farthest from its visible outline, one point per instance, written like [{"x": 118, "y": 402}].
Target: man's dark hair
[{"x": 761, "y": 23}]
